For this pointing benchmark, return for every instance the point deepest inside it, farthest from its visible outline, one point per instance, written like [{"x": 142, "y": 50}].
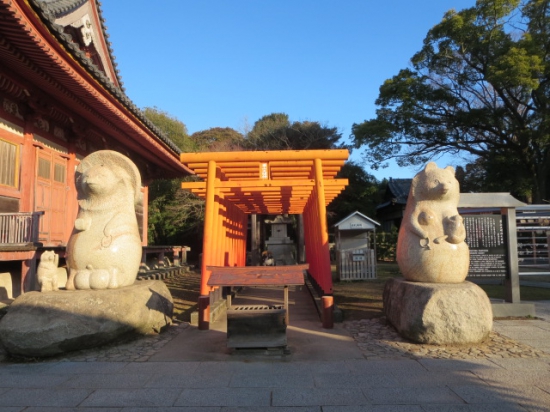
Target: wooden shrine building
[
  {"x": 239, "y": 184},
  {"x": 61, "y": 99}
]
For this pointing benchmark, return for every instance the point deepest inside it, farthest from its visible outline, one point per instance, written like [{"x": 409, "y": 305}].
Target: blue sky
[{"x": 227, "y": 63}]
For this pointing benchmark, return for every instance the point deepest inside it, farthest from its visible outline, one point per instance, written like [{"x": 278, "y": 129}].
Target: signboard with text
[{"x": 485, "y": 237}]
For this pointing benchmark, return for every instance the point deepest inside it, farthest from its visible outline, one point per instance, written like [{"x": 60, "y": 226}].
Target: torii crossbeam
[{"x": 237, "y": 184}]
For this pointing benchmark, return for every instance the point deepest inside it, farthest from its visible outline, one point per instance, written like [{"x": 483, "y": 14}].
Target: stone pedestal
[
  {"x": 46, "y": 324},
  {"x": 438, "y": 313}
]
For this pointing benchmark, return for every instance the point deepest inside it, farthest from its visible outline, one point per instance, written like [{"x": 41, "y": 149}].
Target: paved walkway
[{"x": 336, "y": 370}]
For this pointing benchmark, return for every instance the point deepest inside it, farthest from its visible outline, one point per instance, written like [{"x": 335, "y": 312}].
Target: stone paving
[{"x": 374, "y": 337}]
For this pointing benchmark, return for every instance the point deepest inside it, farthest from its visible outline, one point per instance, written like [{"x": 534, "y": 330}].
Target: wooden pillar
[
  {"x": 26, "y": 203},
  {"x": 28, "y": 274},
  {"x": 221, "y": 235},
  {"x": 28, "y": 171},
  {"x": 244, "y": 220},
  {"x": 176, "y": 253},
  {"x": 309, "y": 232},
  {"x": 71, "y": 205},
  {"x": 207, "y": 247},
  {"x": 229, "y": 232},
  {"x": 254, "y": 240},
  {"x": 301, "y": 250},
  {"x": 328, "y": 309},
  {"x": 324, "y": 249},
  {"x": 511, "y": 281},
  {"x": 145, "y": 220}
]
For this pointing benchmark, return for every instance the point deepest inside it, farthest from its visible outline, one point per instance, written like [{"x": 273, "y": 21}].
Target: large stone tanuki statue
[
  {"x": 431, "y": 245},
  {"x": 103, "y": 257},
  {"x": 104, "y": 250},
  {"x": 434, "y": 304}
]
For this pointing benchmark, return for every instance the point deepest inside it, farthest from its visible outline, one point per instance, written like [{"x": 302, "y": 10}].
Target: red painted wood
[{"x": 257, "y": 275}]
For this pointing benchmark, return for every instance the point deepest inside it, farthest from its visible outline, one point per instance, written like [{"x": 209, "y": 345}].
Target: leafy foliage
[
  {"x": 175, "y": 216},
  {"x": 362, "y": 194},
  {"x": 481, "y": 85},
  {"x": 174, "y": 128},
  {"x": 218, "y": 139},
  {"x": 386, "y": 245},
  {"x": 276, "y": 132},
  {"x": 494, "y": 174}
]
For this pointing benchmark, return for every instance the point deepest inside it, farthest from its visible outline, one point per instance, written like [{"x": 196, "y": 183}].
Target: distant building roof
[
  {"x": 397, "y": 192},
  {"x": 488, "y": 200},
  {"x": 356, "y": 216}
]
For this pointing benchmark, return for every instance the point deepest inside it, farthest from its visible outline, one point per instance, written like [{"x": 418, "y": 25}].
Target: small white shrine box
[{"x": 355, "y": 246}]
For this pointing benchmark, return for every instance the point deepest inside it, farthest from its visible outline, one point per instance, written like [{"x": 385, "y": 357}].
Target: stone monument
[
  {"x": 101, "y": 302},
  {"x": 434, "y": 303},
  {"x": 279, "y": 244}
]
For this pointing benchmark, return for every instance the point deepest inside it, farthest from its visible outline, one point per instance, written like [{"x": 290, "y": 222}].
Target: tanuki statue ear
[
  {"x": 450, "y": 169},
  {"x": 431, "y": 166}
]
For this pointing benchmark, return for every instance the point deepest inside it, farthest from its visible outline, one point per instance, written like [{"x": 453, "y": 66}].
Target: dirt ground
[
  {"x": 363, "y": 299},
  {"x": 357, "y": 300},
  {"x": 185, "y": 290}
]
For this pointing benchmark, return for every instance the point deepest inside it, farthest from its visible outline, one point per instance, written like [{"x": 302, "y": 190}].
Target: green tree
[
  {"x": 175, "y": 216},
  {"x": 218, "y": 139},
  {"x": 276, "y": 132},
  {"x": 170, "y": 125},
  {"x": 480, "y": 84},
  {"x": 494, "y": 174},
  {"x": 362, "y": 194}
]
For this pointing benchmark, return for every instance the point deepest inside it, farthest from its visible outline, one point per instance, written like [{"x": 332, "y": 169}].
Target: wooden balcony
[{"x": 19, "y": 230}]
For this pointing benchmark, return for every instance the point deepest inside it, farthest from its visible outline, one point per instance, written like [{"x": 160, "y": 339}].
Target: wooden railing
[{"x": 19, "y": 228}]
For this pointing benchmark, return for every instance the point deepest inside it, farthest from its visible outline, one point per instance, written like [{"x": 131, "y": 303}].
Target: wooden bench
[
  {"x": 258, "y": 276},
  {"x": 257, "y": 325}
]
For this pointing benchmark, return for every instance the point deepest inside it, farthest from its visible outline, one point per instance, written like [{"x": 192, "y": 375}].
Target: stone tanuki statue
[
  {"x": 434, "y": 303},
  {"x": 104, "y": 250},
  {"x": 103, "y": 258},
  {"x": 431, "y": 245},
  {"x": 47, "y": 271}
]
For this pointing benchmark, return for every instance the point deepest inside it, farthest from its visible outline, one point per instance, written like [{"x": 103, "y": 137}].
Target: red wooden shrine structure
[{"x": 238, "y": 184}]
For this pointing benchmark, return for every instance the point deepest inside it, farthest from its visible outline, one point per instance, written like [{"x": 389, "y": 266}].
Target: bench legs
[{"x": 328, "y": 307}]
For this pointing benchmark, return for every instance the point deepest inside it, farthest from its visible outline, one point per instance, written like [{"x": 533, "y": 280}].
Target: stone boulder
[
  {"x": 46, "y": 324},
  {"x": 438, "y": 313}
]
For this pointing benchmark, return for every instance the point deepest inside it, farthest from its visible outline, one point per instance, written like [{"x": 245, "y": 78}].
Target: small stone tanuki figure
[
  {"x": 430, "y": 246},
  {"x": 104, "y": 250},
  {"x": 47, "y": 271}
]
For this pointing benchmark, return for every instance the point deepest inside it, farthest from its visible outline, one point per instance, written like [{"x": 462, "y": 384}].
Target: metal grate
[{"x": 256, "y": 307}]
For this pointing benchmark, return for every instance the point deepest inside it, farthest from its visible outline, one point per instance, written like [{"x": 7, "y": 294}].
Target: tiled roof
[
  {"x": 63, "y": 7},
  {"x": 399, "y": 189},
  {"x": 397, "y": 193},
  {"x": 48, "y": 10}
]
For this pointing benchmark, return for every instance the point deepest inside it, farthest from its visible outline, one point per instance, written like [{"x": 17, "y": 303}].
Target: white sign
[
  {"x": 358, "y": 258},
  {"x": 356, "y": 225},
  {"x": 264, "y": 173}
]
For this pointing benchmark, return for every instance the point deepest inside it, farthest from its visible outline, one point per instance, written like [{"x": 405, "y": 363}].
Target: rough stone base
[
  {"x": 438, "y": 313},
  {"x": 51, "y": 323}
]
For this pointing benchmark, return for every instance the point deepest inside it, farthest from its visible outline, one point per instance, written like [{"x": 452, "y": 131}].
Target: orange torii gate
[{"x": 263, "y": 182}]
